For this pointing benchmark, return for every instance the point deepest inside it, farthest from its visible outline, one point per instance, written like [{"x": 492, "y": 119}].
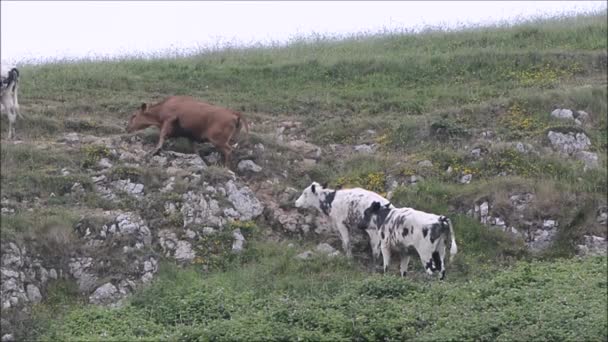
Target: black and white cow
[
  {"x": 345, "y": 208},
  {"x": 402, "y": 228}
]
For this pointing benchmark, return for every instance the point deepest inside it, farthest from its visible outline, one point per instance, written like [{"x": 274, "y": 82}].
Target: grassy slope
[{"x": 404, "y": 86}]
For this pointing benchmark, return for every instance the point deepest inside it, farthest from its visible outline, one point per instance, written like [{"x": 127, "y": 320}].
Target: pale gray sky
[{"x": 54, "y": 29}]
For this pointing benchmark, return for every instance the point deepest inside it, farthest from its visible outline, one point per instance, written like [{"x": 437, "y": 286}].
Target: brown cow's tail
[{"x": 240, "y": 119}]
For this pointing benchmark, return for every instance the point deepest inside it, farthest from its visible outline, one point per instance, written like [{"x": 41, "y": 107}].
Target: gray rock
[
  {"x": 476, "y": 153},
  {"x": 307, "y": 150},
  {"x": 569, "y": 143},
  {"x": 589, "y": 159},
  {"x": 104, "y": 163},
  {"x": 365, "y": 149},
  {"x": 425, "y": 163},
  {"x": 213, "y": 158},
  {"x": 602, "y": 215},
  {"x": 304, "y": 255},
  {"x": 581, "y": 115},
  {"x": 541, "y": 239},
  {"x": 466, "y": 179},
  {"x": 562, "y": 114},
  {"x": 105, "y": 294},
  {"x": 184, "y": 251},
  {"x": 248, "y": 165},
  {"x": 33, "y": 293},
  {"x": 549, "y": 224},
  {"x": 244, "y": 201},
  {"x": 325, "y": 248},
  {"x": 71, "y": 138},
  {"x": 208, "y": 231},
  {"x": 592, "y": 246},
  {"x": 239, "y": 241},
  {"x": 7, "y": 338}
]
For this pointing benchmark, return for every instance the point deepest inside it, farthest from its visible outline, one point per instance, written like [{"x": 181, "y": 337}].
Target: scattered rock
[
  {"x": 581, "y": 115},
  {"x": 244, "y": 201},
  {"x": 7, "y": 338},
  {"x": 549, "y": 224},
  {"x": 184, "y": 251},
  {"x": 569, "y": 143},
  {"x": 239, "y": 241},
  {"x": 105, "y": 294},
  {"x": 592, "y": 246},
  {"x": 562, "y": 114},
  {"x": 466, "y": 179},
  {"x": 248, "y": 165},
  {"x": 476, "y": 153},
  {"x": 70, "y": 138},
  {"x": 104, "y": 163},
  {"x": 602, "y": 215},
  {"x": 304, "y": 255},
  {"x": 33, "y": 293},
  {"x": 589, "y": 159},
  {"x": 425, "y": 163},
  {"x": 365, "y": 149},
  {"x": 325, "y": 248},
  {"x": 307, "y": 150}
]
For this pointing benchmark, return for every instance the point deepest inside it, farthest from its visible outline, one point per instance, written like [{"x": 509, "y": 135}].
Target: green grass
[{"x": 278, "y": 298}]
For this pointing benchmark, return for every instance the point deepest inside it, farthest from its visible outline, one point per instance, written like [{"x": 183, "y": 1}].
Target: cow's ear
[
  {"x": 324, "y": 185},
  {"x": 144, "y": 107},
  {"x": 375, "y": 206},
  {"x": 388, "y": 205},
  {"x": 312, "y": 188}
]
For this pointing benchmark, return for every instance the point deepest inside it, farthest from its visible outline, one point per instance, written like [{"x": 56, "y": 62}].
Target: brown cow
[{"x": 184, "y": 116}]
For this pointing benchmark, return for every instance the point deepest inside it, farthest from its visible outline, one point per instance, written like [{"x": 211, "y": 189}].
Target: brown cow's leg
[{"x": 165, "y": 131}]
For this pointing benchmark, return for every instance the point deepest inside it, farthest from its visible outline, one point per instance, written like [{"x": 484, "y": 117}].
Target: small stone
[
  {"x": 208, "y": 231},
  {"x": 104, "y": 163},
  {"x": 589, "y": 159},
  {"x": 184, "y": 251},
  {"x": 581, "y": 115},
  {"x": 476, "y": 153},
  {"x": 466, "y": 179},
  {"x": 190, "y": 234},
  {"x": 304, "y": 255},
  {"x": 562, "y": 114},
  {"x": 103, "y": 294},
  {"x": 325, "y": 248},
  {"x": 239, "y": 241},
  {"x": 425, "y": 163},
  {"x": 248, "y": 165},
  {"x": 364, "y": 149},
  {"x": 7, "y": 338},
  {"x": 549, "y": 224}
]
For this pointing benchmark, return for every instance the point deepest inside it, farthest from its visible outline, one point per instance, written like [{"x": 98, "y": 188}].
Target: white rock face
[
  {"x": 562, "y": 114},
  {"x": 569, "y": 143},
  {"x": 325, "y": 248},
  {"x": 104, "y": 294},
  {"x": 244, "y": 201},
  {"x": 249, "y": 165}
]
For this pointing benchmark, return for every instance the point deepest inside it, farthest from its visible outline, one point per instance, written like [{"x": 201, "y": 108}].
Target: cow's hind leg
[
  {"x": 344, "y": 236},
  {"x": 405, "y": 260},
  {"x": 386, "y": 255}
]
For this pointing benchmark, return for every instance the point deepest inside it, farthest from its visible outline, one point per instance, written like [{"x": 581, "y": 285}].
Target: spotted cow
[
  {"x": 403, "y": 228},
  {"x": 345, "y": 208}
]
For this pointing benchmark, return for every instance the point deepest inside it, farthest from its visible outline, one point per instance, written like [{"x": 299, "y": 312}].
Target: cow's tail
[
  {"x": 453, "y": 247},
  {"x": 240, "y": 121}
]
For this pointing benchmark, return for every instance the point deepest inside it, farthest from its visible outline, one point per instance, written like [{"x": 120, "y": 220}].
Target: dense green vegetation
[
  {"x": 277, "y": 298},
  {"x": 428, "y": 96}
]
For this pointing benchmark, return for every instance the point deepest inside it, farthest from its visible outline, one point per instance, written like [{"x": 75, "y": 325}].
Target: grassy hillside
[{"x": 429, "y": 96}]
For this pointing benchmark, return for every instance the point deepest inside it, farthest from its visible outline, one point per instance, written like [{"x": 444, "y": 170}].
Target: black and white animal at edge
[
  {"x": 345, "y": 208},
  {"x": 9, "y": 90},
  {"x": 402, "y": 228}
]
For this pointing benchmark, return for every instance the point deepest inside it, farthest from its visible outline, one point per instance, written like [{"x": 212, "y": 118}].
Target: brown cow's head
[{"x": 140, "y": 119}]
